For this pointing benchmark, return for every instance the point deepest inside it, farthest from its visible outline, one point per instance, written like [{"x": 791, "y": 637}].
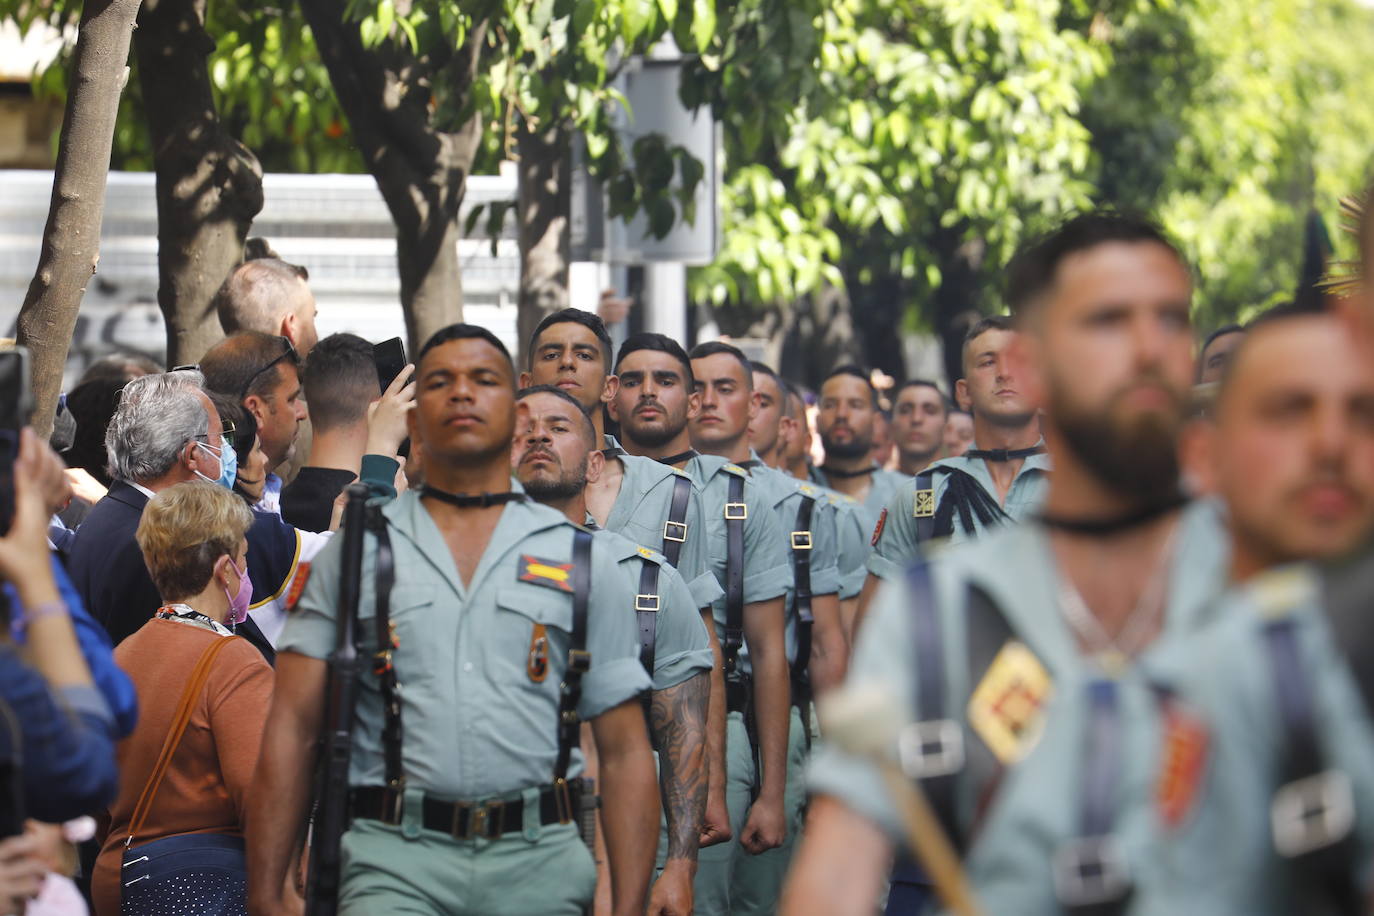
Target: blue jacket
[
  {"x": 65, "y": 750},
  {"x": 114, "y": 685}
]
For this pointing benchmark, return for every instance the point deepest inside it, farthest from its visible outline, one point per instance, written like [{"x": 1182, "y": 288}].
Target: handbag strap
[{"x": 180, "y": 720}]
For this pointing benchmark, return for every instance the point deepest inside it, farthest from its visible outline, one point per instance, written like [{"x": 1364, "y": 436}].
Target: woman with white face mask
[{"x": 176, "y": 829}]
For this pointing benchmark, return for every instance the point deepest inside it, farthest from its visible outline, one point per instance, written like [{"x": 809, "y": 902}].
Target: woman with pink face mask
[{"x": 176, "y": 829}]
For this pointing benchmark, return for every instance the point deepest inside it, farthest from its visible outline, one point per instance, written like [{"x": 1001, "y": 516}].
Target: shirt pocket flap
[{"x": 541, "y": 605}]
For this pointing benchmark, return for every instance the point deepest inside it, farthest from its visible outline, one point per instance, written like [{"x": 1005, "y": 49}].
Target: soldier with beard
[
  {"x": 653, "y": 404},
  {"x": 556, "y": 457},
  {"x": 848, "y": 409},
  {"x": 1031, "y": 663}
]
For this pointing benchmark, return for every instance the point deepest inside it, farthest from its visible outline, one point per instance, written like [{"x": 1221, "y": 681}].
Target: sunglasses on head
[{"x": 288, "y": 352}]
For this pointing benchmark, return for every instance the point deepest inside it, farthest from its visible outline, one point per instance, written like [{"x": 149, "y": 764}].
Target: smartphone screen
[{"x": 390, "y": 358}]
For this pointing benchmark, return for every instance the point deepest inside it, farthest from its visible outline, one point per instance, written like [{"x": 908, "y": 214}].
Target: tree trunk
[
  {"x": 955, "y": 309},
  {"x": 543, "y": 213},
  {"x": 71, "y": 238},
  {"x": 420, "y": 169},
  {"x": 209, "y": 186}
]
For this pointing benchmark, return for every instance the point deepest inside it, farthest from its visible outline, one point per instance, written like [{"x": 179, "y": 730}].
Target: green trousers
[
  {"x": 730, "y": 880},
  {"x": 757, "y": 881},
  {"x": 542, "y": 871}
]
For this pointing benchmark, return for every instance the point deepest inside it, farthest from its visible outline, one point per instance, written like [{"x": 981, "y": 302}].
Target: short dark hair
[
  {"x": 588, "y": 320},
  {"x": 714, "y": 347},
  {"x": 557, "y": 392},
  {"x": 660, "y": 343},
  {"x": 856, "y": 372},
  {"x": 245, "y": 426},
  {"x": 235, "y": 365},
  {"x": 463, "y": 331},
  {"x": 920, "y": 383},
  {"x": 1032, "y": 271},
  {"x": 1220, "y": 332},
  {"x": 339, "y": 380}
]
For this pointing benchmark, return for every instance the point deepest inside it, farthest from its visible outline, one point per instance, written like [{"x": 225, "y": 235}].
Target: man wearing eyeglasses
[{"x": 263, "y": 373}]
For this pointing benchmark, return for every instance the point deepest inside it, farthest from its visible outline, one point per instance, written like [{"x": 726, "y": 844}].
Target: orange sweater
[{"x": 206, "y": 785}]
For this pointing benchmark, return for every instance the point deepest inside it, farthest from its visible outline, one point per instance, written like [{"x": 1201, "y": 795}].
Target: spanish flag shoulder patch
[{"x": 548, "y": 573}]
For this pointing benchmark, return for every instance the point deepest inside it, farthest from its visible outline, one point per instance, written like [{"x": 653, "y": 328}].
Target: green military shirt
[
  {"x": 785, "y": 494},
  {"x": 480, "y": 714},
  {"x": 883, "y": 484},
  {"x": 682, "y": 647},
  {"x": 898, "y": 544},
  {"x": 641, "y": 511},
  {"x": 767, "y": 567},
  {"x": 1035, "y": 805},
  {"x": 854, "y": 542}
]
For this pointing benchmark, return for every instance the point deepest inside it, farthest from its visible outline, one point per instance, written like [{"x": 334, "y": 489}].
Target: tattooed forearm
[{"x": 678, "y": 719}]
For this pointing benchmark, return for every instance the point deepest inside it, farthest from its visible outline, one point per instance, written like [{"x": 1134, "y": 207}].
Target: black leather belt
[{"x": 465, "y": 820}]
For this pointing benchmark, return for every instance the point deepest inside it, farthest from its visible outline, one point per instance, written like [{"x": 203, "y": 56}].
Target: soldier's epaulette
[
  {"x": 653, "y": 556},
  {"x": 807, "y": 489},
  {"x": 734, "y": 469},
  {"x": 679, "y": 472}
]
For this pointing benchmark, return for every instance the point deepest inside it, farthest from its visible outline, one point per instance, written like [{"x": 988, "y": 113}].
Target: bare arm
[
  {"x": 717, "y": 825},
  {"x": 766, "y": 827},
  {"x": 829, "y": 648},
  {"x": 840, "y": 866},
  {"x": 629, "y": 803},
  {"x": 871, "y": 584},
  {"x": 280, "y": 801},
  {"x": 678, "y": 719}
]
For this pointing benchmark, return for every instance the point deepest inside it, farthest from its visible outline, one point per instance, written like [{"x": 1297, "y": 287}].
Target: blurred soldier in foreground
[{"x": 1032, "y": 663}]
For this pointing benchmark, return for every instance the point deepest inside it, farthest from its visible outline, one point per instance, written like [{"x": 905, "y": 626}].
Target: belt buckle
[
  {"x": 931, "y": 748},
  {"x": 801, "y": 540},
  {"x": 562, "y": 800},
  {"x": 1090, "y": 871},
  {"x": 1312, "y": 813},
  {"x": 675, "y": 531},
  {"x": 456, "y": 828},
  {"x": 487, "y": 820},
  {"x": 646, "y": 603},
  {"x": 736, "y": 512}
]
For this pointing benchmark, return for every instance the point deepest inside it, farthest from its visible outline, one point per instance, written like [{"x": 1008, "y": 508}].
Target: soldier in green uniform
[
  {"x": 653, "y": 405},
  {"x": 1284, "y": 671},
  {"x": 853, "y": 541},
  {"x": 1033, "y": 664},
  {"x": 651, "y": 503},
  {"x": 462, "y": 786},
  {"x": 555, "y": 458},
  {"x": 845, "y": 416},
  {"x": 1001, "y": 478},
  {"x": 729, "y": 406}
]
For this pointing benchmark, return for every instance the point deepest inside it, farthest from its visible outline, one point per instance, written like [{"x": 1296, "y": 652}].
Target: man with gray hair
[
  {"x": 165, "y": 431},
  {"x": 271, "y": 296}
]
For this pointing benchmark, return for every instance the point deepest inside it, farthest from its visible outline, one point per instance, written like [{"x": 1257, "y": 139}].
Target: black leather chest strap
[
  {"x": 579, "y": 659},
  {"x": 801, "y": 575},
  {"x": 735, "y": 513},
  {"x": 675, "y": 527},
  {"x": 647, "y": 605}
]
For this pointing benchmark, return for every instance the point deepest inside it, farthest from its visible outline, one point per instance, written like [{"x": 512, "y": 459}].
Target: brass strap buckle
[
  {"x": 562, "y": 801},
  {"x": 801, "y": 540},
  {"x": 675, "y": 531},
  {"x": 736, "y": 512},
  {"x": 646, "y": 603}
]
